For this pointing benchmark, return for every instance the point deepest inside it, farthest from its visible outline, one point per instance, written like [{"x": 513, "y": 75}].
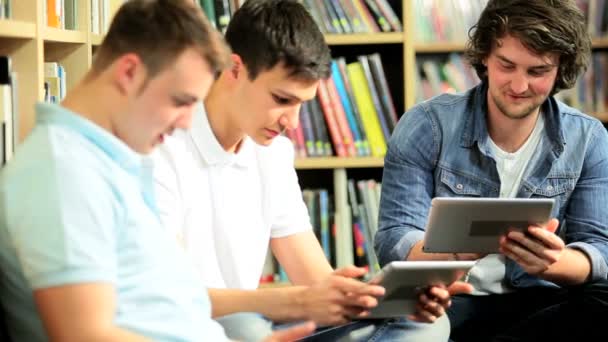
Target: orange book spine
[
  {"x": 53, "y": 10},
  {"x": 330, "y": 120},
  {"x": 345, "y": 131}
]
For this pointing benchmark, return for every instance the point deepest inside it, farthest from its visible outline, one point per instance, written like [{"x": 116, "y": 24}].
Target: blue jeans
[{"x": 254, "y": 327}]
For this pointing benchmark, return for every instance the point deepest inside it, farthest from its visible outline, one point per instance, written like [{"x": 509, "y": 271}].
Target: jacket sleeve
[{"x": 407, "y": 185}]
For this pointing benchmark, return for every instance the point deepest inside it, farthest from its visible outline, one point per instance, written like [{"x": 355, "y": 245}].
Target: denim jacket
[{"x": 441, "y": 148}]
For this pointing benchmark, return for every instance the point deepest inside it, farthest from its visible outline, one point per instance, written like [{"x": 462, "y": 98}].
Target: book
[
  {"x": 369, "y": 116},
  {"x": 348, "y": 111},
  {"x": 338, "y": 110},
  {"x": 384, "y": 93},
  {"x": 330, "y": 120},
  {"x": 341, "y": 62},
  {"x": 386, "y": 132}
]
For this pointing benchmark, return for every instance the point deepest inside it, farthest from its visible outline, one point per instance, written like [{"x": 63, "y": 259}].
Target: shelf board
[
  {"x": 96, "y": 39},
  {"x": 603, "y": 117},
  {"x": 338, "y": 162},
  {"x": 51, "y": 34},
  {"x": 364, "y": 38},
  {"x": 439, "y": 47},
  {"x": 17, "y": 29},
  {"x": 600, "y": 42}
]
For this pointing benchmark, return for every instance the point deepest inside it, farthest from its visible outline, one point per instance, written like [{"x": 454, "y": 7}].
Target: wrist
[{"x": 296, "y": 308}]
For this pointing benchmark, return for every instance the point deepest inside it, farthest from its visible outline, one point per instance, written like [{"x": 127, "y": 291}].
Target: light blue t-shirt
[{"x": 77, "y": 206}]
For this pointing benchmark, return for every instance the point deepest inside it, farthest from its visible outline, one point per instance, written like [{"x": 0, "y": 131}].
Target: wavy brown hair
[{"x": 543, "y": 26}]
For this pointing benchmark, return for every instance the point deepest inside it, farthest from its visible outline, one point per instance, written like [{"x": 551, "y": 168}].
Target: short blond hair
[{"x": 158, "y": 31}]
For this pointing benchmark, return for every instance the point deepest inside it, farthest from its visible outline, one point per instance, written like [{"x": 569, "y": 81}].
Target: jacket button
[
  {"x": 459, "y": 186},
  {"x": 549, "y": 188}
]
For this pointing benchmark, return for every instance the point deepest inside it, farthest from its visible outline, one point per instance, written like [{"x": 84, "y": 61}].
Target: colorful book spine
[
  {"x": 345, "y": 131},
  {"x": 348, "y": 111},
  {"x": 330, "y": 120}
]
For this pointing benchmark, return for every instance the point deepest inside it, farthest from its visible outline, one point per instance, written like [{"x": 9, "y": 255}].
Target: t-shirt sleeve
[
  {"x": 63, "y": 225},
  {"x": 290, "y": 215}
]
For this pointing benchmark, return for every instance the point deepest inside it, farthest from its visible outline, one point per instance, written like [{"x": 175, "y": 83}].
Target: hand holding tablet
[
  {"x": 405, "y": 281},
  {"x": 474, "y": 225}
]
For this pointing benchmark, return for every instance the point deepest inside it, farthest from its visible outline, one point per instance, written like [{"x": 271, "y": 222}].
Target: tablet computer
[
  {"x": 404, "y": 280},
  {"x": 474, "y": 225}
]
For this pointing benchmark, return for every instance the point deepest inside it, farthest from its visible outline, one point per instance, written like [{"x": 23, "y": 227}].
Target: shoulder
[
  {"x": 279, "y": 153},
  {"x": 579, "y": 123}
]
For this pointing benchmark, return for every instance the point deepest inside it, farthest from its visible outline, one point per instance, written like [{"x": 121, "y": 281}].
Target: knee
[{"x": 246, "y": 326}]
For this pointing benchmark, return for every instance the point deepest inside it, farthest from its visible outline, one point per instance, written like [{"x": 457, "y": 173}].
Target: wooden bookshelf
[
  {"x": 365, "y": 38},
  {"x": 338, "y": 163},
  {"x": 51, "y": 34},
  {"x": 30, "y": 43},
  {"x": 600, "y": 43},
  {"x": 17, "y": 29},
  {"x": 96, "y": 39},
  {"x": 439, "y": 47}
]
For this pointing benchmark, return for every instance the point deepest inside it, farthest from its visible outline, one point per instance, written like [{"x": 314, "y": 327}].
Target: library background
[{"x": 388, "y": 56}]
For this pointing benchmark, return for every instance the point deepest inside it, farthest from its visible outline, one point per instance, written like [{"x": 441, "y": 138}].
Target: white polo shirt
[{"x": 225, "y": 207}]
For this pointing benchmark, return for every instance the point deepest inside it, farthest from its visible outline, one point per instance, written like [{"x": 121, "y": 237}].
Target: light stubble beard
[{"x": 519, "y": 115}]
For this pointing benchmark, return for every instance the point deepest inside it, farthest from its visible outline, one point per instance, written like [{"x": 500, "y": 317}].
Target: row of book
[
  {"x": 344, "y": 223},
  {"x": 352, "y": 115},
  {"x": 61, "y": 14},
  {"x": 54, "y": 82},
  {"x": 450, "y": 20},
  {"x": 354, "y": 16},
  {"x": 6, "y": 9},
  {"x": 590, "y": 94},
  {"x": 442, "y": 74},
  {"x": 8, "y": 110},
  {"x": 596, "y": 13},
  {"x": 219, "y": 12},
  {"x": 102, "y": 12},
  {"x": 445, "y": 20}
]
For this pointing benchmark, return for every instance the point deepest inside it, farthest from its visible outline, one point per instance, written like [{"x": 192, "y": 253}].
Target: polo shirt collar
[{"x": 210, "y": 148}]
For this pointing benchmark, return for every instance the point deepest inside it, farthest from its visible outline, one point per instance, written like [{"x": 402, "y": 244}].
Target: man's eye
[
  {"x": 180, "y": 103},
  {"x": 280, "y": 100}
]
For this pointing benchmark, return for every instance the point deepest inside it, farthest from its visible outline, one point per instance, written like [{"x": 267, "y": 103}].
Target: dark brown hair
[
  {"x": 543, "y": 26},
  {"x": 158, "y": 31},
  {"x": 265, "y": 33}
]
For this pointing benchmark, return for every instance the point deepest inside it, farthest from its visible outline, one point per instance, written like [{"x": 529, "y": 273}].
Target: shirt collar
[
  {"x": 476, "y": 129},
  {"x": 210, "y": 148},
  {"x": 115, "y": 148}
]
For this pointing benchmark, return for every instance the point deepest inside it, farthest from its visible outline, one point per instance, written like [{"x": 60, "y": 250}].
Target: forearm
[
  {"x": 417, "y": 254},
  {"x": 110, "y": 334},
  {"x": 572, "y": 268},
  {"x": 278, "y": 304}
]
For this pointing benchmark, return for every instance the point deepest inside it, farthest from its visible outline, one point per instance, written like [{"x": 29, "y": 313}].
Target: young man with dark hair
[
  {"x": 509, "y": 137},
  {"x": 83, "y": 254},
  {"x": 228, "y": 188}
]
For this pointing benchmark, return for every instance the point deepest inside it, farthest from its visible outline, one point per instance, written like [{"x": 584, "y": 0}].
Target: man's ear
[
  {"x": 237, "y": 69},
  {"x": 129, "y": 74}
]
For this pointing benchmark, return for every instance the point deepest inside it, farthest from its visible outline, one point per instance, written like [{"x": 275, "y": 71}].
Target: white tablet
[
  {"x": 404, "y": 280},
  {"x": 474, "y": 225}
]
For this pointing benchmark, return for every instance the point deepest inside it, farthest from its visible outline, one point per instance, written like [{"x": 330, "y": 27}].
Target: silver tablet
[
  {"x": 474, "y": 225},
  {"x": 404, "y": 280}
]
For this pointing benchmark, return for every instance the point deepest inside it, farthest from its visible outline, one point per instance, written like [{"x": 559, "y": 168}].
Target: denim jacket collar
[{"x": 476, "y": 129}]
